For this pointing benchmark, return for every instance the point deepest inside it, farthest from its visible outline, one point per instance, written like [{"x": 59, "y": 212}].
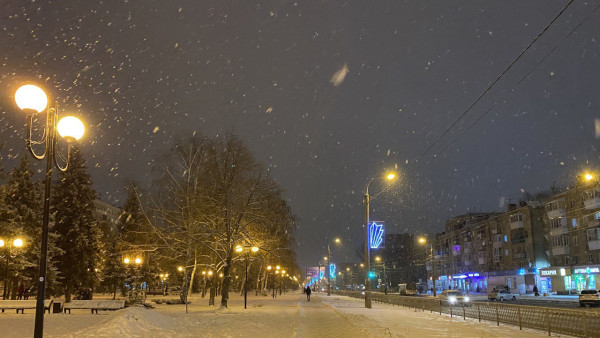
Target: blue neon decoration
[
  {"x": 371, "y": 274},
  {"x": 332, "y": 270},
  {"x": 375, "y": 235},
  {"x": 321, "y": 274}
]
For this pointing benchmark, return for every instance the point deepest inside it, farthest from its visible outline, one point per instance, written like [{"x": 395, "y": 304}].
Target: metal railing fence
[{"x": 571, "y": 322}]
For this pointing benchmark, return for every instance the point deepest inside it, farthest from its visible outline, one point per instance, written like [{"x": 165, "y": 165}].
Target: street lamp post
[
  {"x": 389, "y": 177},
  {"x": 276, "y": 272},
  {"x": 423, "y": 241},
  {"x": 337, "y": 241},
  {"x": 17, "y": 243},
  {"x": 32, "y": 100},
  {"x": 247, "y": 250}
]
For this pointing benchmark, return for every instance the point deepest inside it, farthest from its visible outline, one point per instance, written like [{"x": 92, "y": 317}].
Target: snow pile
[{"x": 132, "y": 322}]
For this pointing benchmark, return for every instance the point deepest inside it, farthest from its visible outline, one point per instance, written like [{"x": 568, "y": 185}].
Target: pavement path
[{"x": 317, "y": 319}]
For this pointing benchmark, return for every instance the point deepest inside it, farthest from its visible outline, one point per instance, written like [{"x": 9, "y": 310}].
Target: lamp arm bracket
[{"x": 30, "y": 142}]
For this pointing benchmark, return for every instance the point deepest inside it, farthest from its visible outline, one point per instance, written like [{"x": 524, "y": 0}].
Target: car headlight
[
  {"x": 467, "y": 299},
  {"x": 452, "y": 299}
]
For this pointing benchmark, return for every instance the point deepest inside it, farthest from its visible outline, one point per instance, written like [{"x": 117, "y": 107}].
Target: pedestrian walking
[
  {"x": 20, "y": 292},
  {"x": 308, "y": 291},
  {"x": 536, "y": 291}
]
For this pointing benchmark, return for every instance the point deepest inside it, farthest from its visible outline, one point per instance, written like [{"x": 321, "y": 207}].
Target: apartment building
[
  {"x": 484, "y": 250},
  {"x": 573, "y": 230}
]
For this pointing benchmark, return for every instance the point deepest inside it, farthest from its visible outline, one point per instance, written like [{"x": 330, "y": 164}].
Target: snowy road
[{"x": 286, "y": 316}]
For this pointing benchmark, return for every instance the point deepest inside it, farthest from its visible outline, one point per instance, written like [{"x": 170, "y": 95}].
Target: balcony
[
  {"x": 520, "y": 255},
  {"x": 516, "y": 225},
  {"x": 592, "y": 203},
  {"x": 560, "y": 230},
  {"x": 594, "y": 245},
  {"x": 517, "y": 239},
  {"x": 559, "y": 212},
  {"x": 561, "y": 250}
]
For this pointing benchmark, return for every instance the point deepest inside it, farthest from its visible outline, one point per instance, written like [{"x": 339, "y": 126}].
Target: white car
[
  {"x": 454, "y": 297},
  {"x": 589, "y": 297},
  {"x": 502, "y": 295}
]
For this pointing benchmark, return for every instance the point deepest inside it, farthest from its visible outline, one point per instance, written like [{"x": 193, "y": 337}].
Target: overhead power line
[
  {"x": 449, "y": 144},
  {"x": 497, "y": 79}
]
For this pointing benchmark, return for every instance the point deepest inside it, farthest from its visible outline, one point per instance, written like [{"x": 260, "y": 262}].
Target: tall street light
[
  {"x": 389, "y": 177},
  {"x": 17, "y": 243},
  {"x": 423, "y": 241},
  {"x": 32, "y": 100},
  {"x": 247, "y": 250},
  {"x": 336, "y": 241}
]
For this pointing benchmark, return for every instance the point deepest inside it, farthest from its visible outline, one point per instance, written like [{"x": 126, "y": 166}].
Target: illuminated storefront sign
[
  {"x": 548, "y": 272},
  {"x": 587, "y": 270},
  {"x": 375, "y": 235}
]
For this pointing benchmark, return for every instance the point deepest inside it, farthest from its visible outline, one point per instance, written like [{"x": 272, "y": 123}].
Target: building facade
[{"x": 479, "y": 251}]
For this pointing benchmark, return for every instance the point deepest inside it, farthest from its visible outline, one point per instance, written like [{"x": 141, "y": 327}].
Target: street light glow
[
  {"x": 180, "y": 268},
  {"x": 254, "y": 249},
  {"x": 269, "y": 268},
  {"x": 210, "y": 273},
  {"x": 377, "y": 258},
  {"x": 277, "y": 267},
  {"x": 1, "y": 243},
  {"x": 17, "y": 243},
  {"x": 138, "y": 261},
  {"x": 239, "y": 248},
  {"x": 31, "y": 97},
  {"x": 70, "y": 127},
  {"x": 422, "y": 240},
  {"x": 338, "y": 241},
  {"x": 126, "y": 260},
  {"x": 588, "y": 176}
]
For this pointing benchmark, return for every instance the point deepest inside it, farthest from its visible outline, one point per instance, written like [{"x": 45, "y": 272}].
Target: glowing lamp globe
[
  {"x": 31, "y": 98},
  {"x": 70, "y": 127},
  {"x": 1, "y": 243},
  {"x": 254, "y": 249},
  {"x": 126, "y": 261},
  {"x": 138, "y": 261},
  {"x": 17, "y": 243}
]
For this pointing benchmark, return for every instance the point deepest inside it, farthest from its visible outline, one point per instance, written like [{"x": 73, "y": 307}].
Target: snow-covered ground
[{"x": 287, "y": 316}]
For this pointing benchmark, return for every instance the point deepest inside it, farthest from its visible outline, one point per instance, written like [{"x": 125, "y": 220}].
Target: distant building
[
  {"x": 402, "y": 260},
  {"x": 479, "y": 251},
  {"x": 104, "y": 212}
]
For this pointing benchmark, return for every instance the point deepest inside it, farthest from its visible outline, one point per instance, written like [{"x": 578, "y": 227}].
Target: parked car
[
  {"x": 589, "y": 297},
  {"x": 454, "y": 297},
  {"x": 409, "y": 289},
  {"x": 502, "y": 295}
]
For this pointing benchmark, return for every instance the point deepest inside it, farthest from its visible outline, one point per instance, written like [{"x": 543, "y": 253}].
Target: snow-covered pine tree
[
  {"x": 78, "y": 234},
  {"x": 113, "y": 272},
  {"x": 23, "y": 218}
]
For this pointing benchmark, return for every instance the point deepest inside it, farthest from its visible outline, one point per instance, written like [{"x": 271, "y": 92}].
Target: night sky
[{"x": 142, "y": 74}]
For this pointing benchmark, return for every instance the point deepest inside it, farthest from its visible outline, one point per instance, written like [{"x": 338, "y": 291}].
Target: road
[{"x": 528, "y": 301}]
